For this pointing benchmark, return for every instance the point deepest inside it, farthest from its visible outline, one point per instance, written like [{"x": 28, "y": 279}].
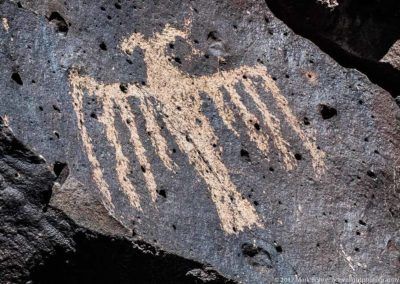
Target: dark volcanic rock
[
  {"x": 211, "y": 131},
  {"x": 39, "y": 244},
  {"x": 358, "y": 34}
]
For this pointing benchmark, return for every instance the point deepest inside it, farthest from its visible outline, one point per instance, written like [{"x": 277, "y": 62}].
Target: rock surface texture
[
  {"x": 189, "y": 132},
  {"x": 40, "y": 244},
  {"x": 358, "y": 34}
]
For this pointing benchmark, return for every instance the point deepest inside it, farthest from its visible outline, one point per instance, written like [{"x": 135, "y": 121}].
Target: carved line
[{"x": 177, "y": 95}]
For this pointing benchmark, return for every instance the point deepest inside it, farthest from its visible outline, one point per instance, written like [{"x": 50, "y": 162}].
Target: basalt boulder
[{"x": 210, "y": 131}]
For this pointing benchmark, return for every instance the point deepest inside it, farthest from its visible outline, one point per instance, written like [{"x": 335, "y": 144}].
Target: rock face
[
  {"x": 359, "y": 34},
  {"x": 212, "y": 133},
  {"x": 40, "y": 244}
]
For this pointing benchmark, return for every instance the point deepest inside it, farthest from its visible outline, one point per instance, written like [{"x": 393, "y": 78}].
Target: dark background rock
[
  {"x": 40, "y": 244},
  {"x": 358, "y": 34},
  {"x": 343, "y": 223}
]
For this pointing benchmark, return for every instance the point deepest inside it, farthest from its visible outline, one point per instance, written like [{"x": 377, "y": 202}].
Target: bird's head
[{"x": 157, "y": 42}]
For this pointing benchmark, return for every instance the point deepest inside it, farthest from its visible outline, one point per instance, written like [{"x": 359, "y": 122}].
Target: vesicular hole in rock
[
  {"x": 59, "y": 21},
  {"x": 327, "y": 112},
  {"x": 17, "y": 78}
]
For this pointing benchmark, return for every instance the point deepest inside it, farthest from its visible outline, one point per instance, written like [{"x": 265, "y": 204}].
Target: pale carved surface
[{"x": 175, "y": 95}]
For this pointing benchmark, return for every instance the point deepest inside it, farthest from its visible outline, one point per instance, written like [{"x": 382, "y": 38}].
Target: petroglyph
[
  {"x": 173, "y": 96},
  {"x": 6, "y": 26}
]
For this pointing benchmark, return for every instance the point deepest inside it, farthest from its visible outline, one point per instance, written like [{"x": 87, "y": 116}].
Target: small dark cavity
[
  {"x": 244, "y": 153},
  {"x": 58, "y": 167},
  {"x": 306, "y": 121},
  {"x": 162, "y": 192},
  {"x": 361, "y": 222},
  {"x": 257, "y": 126},
  {"x": 174, "y": 227},
  {"x": 278, "y": 248},
  {"x": 327, "y": 112},
  {"x": 123, "y": 87},
  {"x": 103, "y": 46},
  {"x": 371, "y": 174},
  {"x": 40, "y": 108},
  {"x": 59, "y": 21},
  {"x": 250, "y": 250},
  {"x": 93, "y": 115},
  {"x": 213, "y": 35},
  {"x": 56, "y": 108},
  {"x": 271, "y": 169},
  {"x": 17, "y": 78},
  {"x": 298, "y": 156},
  {"x": 143, "y": 169},
  {"x": 118, "y": 6},
  {"x": 178, "y": 60}
]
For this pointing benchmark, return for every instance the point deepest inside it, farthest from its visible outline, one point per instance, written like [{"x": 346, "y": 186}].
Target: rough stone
[
  {"x": 358, "y": 34},
  {"x": 212, "y": 132},
  {"x": 40, "y": 244}
]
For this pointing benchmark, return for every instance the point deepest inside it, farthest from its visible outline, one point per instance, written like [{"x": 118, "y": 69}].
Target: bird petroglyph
[{"x": 176, "y": 96}]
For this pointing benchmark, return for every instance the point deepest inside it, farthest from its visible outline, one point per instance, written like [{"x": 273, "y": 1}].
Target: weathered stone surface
[
  {"x": 358, "y": 34},
  {"x": 393, "y": 55},
  {"x": 39, "y": 244},
  {"x": 211, "y": 130}
]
